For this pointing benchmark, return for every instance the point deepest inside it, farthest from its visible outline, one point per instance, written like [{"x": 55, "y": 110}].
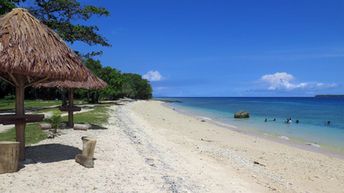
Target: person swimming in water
[
  {"x": 266, "y": 120},
  {"x": 289, "y": 121},
  {"x": 297, "y": 121}
]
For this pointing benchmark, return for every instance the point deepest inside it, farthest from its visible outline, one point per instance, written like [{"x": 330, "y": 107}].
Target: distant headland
[{"x": 329, "y": 96}]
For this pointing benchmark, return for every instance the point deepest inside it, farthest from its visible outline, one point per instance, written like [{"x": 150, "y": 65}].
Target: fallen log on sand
[
  {"x": 83, "y": 127},
  {"x": 45, "y": 126}
]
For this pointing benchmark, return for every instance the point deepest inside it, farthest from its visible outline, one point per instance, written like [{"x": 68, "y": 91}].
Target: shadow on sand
[
  {"x": 49, "y": 153},
  {"x": 93, "y": 126},
  {"x": 97, "y": 127}
]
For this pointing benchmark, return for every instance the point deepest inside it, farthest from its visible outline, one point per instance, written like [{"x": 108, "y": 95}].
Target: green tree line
[{"x": 119, "y": 84}]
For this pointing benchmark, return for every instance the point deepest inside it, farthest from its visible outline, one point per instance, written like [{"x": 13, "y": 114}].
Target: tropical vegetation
[{"x": 61, "y": 16}]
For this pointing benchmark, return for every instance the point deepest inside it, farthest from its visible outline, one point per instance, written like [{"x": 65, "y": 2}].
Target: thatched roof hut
[
  {"x": 30, "y": 52},
  {"x": 30, "y": 48},
  {"x": 92, "y": 82}
]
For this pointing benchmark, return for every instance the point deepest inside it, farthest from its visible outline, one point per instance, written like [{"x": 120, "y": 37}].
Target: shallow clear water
[{"x": 313, "y": 114}]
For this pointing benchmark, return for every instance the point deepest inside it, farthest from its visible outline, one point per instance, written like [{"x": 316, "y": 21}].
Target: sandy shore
[
  {"x": 278, "y": 167},
  {"x": 148, "y": 147}
]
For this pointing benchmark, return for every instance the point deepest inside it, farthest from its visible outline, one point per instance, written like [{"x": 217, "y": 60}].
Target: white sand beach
[{"x": 148, "y": 147}]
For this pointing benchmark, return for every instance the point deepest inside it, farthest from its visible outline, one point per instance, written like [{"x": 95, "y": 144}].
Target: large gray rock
[{"x": 242, "y": 115}]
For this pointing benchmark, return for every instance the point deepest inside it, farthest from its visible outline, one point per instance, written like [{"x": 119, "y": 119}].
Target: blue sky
[{"x": 227, "y": 47}]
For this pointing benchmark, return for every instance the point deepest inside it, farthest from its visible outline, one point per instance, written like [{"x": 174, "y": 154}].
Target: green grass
[
  {"x": 98, "y": 116},
  {"x": 33, "y": 134},
  {"x": 9, "y": 104},
  {"x": 55, "y": 111}
]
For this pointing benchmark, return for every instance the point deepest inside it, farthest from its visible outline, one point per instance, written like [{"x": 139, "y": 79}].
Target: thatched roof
[
  {"x": 92, "y": 82},
  {"x": 30, "y": 48}
]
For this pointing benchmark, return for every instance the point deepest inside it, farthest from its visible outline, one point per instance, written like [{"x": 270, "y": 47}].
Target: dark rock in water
[
  {"x": 330, "y": 96},
  {"x": 242, "y": 115}
]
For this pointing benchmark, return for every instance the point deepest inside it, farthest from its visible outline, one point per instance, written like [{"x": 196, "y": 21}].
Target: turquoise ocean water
[{"x": 312, "y": 113}]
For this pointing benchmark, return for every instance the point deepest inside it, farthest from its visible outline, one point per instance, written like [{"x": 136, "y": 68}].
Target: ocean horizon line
[{"x": 155, "y": 97}]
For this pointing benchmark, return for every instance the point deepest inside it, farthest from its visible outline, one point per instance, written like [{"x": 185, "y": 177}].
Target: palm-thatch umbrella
[
  {"x": 30, "y": 52},
  {"x": 92, "y": 82}
]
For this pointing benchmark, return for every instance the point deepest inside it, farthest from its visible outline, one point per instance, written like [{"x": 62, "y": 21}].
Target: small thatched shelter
[
  {"x": 92, "y": 82},
  {"x": 30, "y": 52}
]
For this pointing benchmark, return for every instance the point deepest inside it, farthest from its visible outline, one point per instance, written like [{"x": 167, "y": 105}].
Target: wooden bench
[
  {"x": 13, "y": 119},
  {"x": 68, "y": 108}
]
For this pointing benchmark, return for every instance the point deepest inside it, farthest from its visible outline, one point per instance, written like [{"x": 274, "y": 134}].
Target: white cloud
[
  {"x": 160, "y": 88},
  {"x": 285, "y": 81},
  {"x": 153, "y": 75}
]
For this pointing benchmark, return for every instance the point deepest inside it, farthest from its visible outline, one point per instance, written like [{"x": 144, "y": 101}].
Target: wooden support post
[
  {"x": 64, "y": 99},
  {"x": 9, "y": 156},
  {"x": 70, "y": 112},
  {"x": 20, "y": 111},
  {"x": 86, "y": 158}
]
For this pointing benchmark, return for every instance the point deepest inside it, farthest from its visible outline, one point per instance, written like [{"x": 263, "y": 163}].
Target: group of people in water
[
  {"x": 266, "y": 120},
  {"x": 289, "y": 121}
]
